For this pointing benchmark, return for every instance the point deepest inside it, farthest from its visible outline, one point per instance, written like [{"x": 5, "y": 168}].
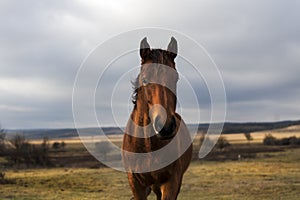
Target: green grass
[{"x": 269, "y": 176}]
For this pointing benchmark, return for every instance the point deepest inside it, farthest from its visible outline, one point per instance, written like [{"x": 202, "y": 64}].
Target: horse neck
[{"x": 139, "y": 124}]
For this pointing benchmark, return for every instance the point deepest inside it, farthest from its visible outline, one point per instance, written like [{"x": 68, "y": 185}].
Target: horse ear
[
  {"x": 144, "y": 48},
  {"x": 172, "y": 47}
]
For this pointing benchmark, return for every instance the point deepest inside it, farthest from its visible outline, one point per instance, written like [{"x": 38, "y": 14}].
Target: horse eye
[{"x": 144, "y": 82}]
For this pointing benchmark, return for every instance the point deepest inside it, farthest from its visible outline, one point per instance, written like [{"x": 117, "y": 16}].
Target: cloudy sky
[{"x": 255, "y": 44}]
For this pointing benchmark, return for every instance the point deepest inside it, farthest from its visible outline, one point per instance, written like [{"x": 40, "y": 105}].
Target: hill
[
  {"x": 228, "y": 128},
  {"x": 61, "y": 133},
  {"x": 233, "y": 127}
]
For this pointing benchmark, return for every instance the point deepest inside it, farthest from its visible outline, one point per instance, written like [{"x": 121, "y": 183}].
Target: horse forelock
[{"x": 159, "y": 56}]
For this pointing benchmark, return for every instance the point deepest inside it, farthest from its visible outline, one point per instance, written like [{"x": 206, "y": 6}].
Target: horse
[{"x": 157, "y": 147}]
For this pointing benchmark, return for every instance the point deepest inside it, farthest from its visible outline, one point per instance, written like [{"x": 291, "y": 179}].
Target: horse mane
[{"x": 135, "y": 87}]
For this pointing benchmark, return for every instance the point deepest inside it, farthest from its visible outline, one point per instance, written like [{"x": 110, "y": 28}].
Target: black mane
[{"x": 135, "y": 87}]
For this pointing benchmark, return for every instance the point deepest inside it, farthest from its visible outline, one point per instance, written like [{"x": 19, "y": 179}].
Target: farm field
[
  {"x": 259, "y": 136},
  {"x": 268, "y": 176},
  {"x": 232, "y": 138}
]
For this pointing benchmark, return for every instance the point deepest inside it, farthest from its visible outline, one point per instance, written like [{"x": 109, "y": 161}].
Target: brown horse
[{"x": 157, "y": 146}]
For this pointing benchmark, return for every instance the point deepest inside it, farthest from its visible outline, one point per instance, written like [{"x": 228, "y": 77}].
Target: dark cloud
[{"x": 255, "y": 44}]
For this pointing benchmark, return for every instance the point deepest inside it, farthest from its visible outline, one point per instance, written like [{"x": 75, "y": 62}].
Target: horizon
[{"x": 188, "y": 124}]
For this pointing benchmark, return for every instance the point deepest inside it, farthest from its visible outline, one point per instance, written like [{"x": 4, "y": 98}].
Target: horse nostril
[
  {"x": 157, "y": 125},
  {"x": 173, "y": 124},
  {"x": 173, "y": 121}
]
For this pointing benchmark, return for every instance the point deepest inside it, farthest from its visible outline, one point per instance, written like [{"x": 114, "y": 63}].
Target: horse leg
[
  {"x": 170, "y": 189},
  {"x": 156, "y": 190},
  {"x": 140, "y": 192}
]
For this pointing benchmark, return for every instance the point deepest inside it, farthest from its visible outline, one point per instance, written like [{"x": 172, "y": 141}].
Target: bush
[
  {"x": 2, "y": 142},
  {"x": 222, "y": 143},
  {"x": 271, "y": 140},
  {"x": 20, "y": 148},
  {"x": 57, "y": 145},
  {"x": 29, "y": 154},
  {"x": 284, "y": 141},
  {"x": 2, "y": 178},
  {"x": 294, "y": 140},
  {"x": 63, "y": 145}
]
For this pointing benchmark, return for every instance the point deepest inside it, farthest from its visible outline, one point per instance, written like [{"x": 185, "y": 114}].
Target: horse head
[{"x": 157, "y": 82}]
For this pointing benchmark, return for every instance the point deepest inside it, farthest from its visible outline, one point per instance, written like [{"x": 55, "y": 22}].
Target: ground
[{"x": 267, "y": 176}]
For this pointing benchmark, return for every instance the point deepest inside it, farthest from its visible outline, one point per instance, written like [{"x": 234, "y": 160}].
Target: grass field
[{"x": 268, "y": 176}]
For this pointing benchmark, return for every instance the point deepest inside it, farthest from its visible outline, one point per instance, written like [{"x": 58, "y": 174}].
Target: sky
[{"x": 255, "y": 44}]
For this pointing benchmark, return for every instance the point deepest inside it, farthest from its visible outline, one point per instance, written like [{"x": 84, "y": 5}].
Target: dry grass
[
  {"x": 270, "y": 176},
  {"x": 259, "y": 136}
]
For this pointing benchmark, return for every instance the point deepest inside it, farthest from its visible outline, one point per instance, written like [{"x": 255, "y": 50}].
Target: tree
[
  {"x": 270, "y": 140},
  {"x": 45, "y": 146},
  {"x": 56, "y": 145},
  {"x": 2, "y": 134},
  {"x": 59, "y": 145},
  {"x": 2, "y": 150},
  {"x": 63, "y": 145},
  {"x": 30, "y": 154},
  {"x": 21, "y": 146},
  {"x": 248, "y": 136},
  {"x": 2, "y": 141},
  {"x": 222, "y": 143}
]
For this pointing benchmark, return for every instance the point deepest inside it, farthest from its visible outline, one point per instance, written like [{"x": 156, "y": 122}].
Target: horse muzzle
[{"x": 164, "y": 130}]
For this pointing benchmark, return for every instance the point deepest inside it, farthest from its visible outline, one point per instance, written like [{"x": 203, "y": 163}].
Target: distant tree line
[
  {"x": 250, "y": 127},
  {"x": 18, "y": 151},
  {"x": 271, "y": 140},
  {"x": 23, "y": 152}
]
